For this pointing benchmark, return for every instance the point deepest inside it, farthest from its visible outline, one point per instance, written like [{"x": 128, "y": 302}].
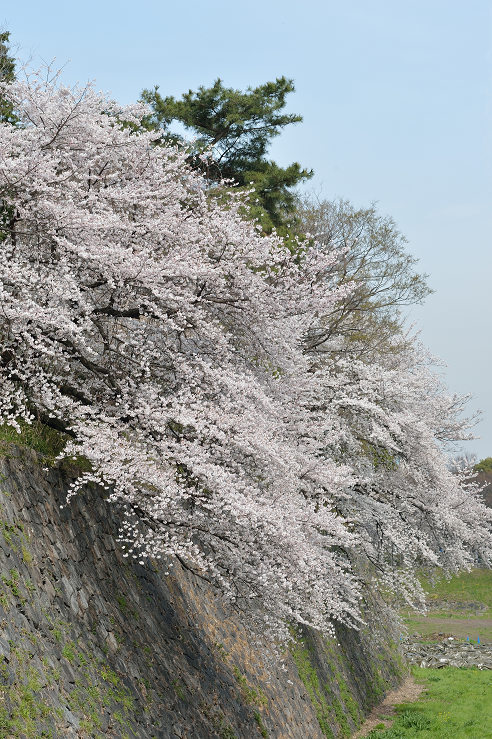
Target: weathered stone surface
[
  {"x": 93, "y": 645},
  {"x": 449, "y": 652}
]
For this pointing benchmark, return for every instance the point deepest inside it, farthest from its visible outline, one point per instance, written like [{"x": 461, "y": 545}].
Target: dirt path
[
  {"x": 472, "y": 623},
  {"x": 460, "y": 627},
  {"x": 408, "y": 692}
]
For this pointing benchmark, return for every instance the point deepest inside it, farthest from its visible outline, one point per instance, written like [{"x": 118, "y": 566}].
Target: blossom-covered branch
[{"x": 166, "y": 337}]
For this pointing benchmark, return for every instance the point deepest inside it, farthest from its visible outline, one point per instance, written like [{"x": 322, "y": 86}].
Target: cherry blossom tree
[
  {"x": 409, "y": 509},
  {"x": 165, "y": 337}
]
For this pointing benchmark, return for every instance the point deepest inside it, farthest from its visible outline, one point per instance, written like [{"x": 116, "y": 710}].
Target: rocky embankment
[
  {"x": 95, "y": 645},
  {"x": 449, "y": 653}
]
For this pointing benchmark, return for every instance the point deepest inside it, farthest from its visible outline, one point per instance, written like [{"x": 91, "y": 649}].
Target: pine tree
[
  {"x": 7, "y": 74},
  {"x": 236, "y": 128}
]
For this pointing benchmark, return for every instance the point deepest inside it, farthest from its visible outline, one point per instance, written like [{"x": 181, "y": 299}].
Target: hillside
[
  {"x": 485, "y": 478},
  {"x": 96, "y": 645}
]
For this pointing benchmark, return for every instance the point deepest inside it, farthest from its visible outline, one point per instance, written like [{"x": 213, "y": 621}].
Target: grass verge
[
  {"x": 461, "y": 607},
  {"x": 467, "y": 586},
  {"x": 455, "y": 704}
]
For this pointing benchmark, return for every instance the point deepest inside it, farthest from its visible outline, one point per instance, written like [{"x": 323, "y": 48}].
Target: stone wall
[{"x": 95, "y": 645}]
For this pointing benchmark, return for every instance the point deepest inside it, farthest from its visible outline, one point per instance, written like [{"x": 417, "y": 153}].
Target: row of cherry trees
[{"x": 172, "y": 343}]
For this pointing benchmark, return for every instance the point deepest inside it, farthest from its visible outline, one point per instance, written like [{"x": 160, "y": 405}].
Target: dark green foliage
[
  {"x": 485, "y": 465},
  {"x": 236, "y": 128},
  {"x": 7, "y": 74}
]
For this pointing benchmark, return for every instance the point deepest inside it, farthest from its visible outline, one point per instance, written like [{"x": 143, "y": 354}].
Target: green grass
[
  {"x": 37, "y": 436},
  {"x": 47, "y": 442},
  {"x": 456, "y": 704},
  {"x": 309, "y": 677},
  {"x": 468, "y": 586},
  {"x": 428, "y": 629}
]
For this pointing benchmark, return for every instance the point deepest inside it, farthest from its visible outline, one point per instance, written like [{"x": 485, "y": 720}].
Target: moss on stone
[
  {"x": 252, "y": 696},
  {"x": 350, "y": 703},
  {"x": 179, "y": 690},
  {"x": 261, "y": 726},
  {"x": 309, "y": 677},
  {"x": 23, "y": 713},
  {"x": 44, "y": 440}
]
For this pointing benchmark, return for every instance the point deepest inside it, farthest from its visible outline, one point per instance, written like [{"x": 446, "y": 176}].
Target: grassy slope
[
  {"x": 468, "y": 587},
  {"x": 456, "y": 704},
  {"x": 37, "y": 436}
]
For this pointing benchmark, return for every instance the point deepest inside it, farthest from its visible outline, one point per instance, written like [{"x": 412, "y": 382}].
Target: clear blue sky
[{"x": 396, "y": 99}]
